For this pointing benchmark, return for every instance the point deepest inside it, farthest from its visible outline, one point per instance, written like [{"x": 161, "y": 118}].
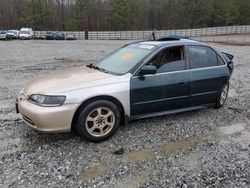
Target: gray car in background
[
  {"x": 55, "y": 36},
  {"x": 14, "y": 34},
  {"x": 4, "y": 35}
]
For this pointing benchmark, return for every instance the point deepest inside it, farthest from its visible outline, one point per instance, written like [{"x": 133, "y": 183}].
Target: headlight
[{"x": 47, "y": 101}]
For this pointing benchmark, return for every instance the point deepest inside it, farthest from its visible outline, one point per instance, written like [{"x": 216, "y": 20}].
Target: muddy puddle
[
  {"x": 140, "y": 177},
  {"x": 141, "y": 155},
  {"x": 235, "y": 128},
  {"x": 178, "y": 146},
  {"x": 163, "y": 149},
  {"x": 92, "y": 172}
]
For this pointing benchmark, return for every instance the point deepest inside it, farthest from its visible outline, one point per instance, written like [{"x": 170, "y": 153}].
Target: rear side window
[{"x": 201, "y": 57}]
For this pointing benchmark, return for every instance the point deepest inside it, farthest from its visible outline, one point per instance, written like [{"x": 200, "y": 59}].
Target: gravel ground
[
  {"x": 204, "y": 148},
  {"x": 240, "y": 39}
]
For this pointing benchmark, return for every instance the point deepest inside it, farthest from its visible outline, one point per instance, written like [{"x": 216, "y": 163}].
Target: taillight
[{"x": 231, "y": 66}]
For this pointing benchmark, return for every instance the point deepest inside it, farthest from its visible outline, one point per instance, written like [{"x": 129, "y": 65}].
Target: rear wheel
[
  {"x": 98, "y": 121},
  {"x": 222, "y": 96}
]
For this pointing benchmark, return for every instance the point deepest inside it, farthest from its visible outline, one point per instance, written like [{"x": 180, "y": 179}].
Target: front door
[{"x": 168, "y": 89}]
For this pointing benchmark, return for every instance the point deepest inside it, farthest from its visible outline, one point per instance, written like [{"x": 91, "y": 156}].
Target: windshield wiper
[
  {"x": 90, "y": 65},
  {"x": 97, "y": 68}
]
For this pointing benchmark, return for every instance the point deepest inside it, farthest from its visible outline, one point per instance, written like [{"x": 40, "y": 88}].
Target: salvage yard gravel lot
[{"x": 203, "y": 148}]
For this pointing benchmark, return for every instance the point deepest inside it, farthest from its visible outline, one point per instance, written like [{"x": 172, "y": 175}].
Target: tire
[
  {"x": 98, "y": 121},
  {"x": 221, "y": 99}
]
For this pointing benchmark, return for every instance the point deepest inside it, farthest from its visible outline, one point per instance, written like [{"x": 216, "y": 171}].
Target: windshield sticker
[
  {"x": 149, "y": 47},
  {"x": 127, "y": 57}
]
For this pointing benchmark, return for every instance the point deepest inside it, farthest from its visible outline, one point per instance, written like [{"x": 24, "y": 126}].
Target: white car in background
[
  {"x": 14, "y": 34},
  {"x": 26, "y": 33},
  {"x": 70, "y": 36}
]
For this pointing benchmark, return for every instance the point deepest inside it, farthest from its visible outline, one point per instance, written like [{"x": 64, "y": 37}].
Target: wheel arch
[{"x": 92, "y": 99}]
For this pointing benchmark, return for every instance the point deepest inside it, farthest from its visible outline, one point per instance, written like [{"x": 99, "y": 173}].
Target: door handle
[
  {"x": 223, "y": 77},
  {"x": 182, "y": 83}
]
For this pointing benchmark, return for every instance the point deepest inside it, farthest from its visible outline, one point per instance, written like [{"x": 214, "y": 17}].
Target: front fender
[{"x": 119, "y": 91}]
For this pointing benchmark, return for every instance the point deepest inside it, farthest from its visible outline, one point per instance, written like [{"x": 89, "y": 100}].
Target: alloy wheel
[
  {"x": 100, "y": 122},
  {"x": 224, "y": 94}
]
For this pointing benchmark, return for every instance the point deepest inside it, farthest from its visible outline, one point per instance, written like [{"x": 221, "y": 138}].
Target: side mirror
[{"x": 147, "y": 69}]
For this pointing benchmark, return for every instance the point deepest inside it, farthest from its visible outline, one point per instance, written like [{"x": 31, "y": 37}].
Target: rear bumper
[
  {"x": 26, "y": 37},
  {"x": 47, "y": 119}
]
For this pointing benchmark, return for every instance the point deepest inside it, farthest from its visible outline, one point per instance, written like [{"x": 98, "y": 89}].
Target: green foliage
[
  {"x": 122, "y": 14},
  {"x": 74, "y": 24},
  {"x": 243, "y": 12},
  {"x": 34, "y": 14}
]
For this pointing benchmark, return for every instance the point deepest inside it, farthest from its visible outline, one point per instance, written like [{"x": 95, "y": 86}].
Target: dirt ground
[
  {"x": 234, "y": 39},
  {"x": 203, "y": 148}
]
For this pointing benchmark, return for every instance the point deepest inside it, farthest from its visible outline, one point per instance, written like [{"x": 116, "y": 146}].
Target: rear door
[{"x": 209, "y": 73}]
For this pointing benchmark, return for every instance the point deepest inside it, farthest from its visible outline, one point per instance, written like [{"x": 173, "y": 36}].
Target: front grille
[{"x": 28, "y": 120}]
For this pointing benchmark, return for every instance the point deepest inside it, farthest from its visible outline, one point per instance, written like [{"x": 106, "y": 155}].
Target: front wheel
[
  {"x": 98, "y": 121},
  {"x": 221, "y": 99}
]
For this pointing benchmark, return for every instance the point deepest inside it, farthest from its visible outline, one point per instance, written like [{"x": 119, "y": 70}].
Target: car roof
[
  {"x": 26, "y": 29},
  {"x": 182, "y": 41}
]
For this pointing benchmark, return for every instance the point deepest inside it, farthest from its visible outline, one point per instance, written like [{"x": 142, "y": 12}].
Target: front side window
[
  {"x": 169, "y": 60},
  {"x": 201, "y": 57}
]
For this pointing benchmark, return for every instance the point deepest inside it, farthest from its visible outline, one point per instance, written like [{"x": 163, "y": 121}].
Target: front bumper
[
  {"x": 26, "y": 37},
  {"x": 47, "y": 119}
]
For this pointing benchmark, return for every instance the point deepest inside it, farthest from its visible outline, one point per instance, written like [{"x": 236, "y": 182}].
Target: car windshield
[
  {"x": 124, "y": 59},
  {"x": 24, "y": 32},
  {"x": 3, "y": 32}
]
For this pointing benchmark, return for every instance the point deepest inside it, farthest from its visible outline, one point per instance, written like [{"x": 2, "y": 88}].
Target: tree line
[{"x": 113, "y": 15}]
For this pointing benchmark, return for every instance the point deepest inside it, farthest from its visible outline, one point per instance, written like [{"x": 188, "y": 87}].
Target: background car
[
  {"x": 26, "y": 33},
  {"x": 55, "y": 36},
  {"x": 39, "y": 37},
  {"x": 50, "y": 35},
  {"x": 70, "y": 36},
  {"x": 4, "y": 35},
  {"x": 14, "y": 34}
]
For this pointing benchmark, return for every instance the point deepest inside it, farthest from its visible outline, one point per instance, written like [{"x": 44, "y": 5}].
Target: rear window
[
  {"x": 225, "y": 57},
  {"x": 201, "y": 57},
  {"x": 220, "y": 61}
]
